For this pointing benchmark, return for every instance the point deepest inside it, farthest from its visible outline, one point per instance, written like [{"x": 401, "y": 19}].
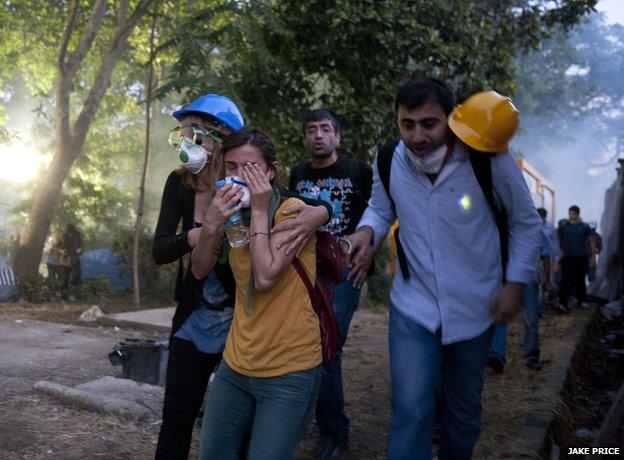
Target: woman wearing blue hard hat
[{"x": 205, "y": 307}]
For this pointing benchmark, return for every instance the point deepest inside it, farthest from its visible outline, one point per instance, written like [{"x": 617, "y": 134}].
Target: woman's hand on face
[
  {"x": 259, "y": 186},
  {"x": 225, "y": 203}
]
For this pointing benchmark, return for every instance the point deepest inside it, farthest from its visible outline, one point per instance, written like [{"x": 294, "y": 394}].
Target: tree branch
[
  {"x": 103, "y": 77},
  {"x": 69, "y": 29},
  {"x": 87, "y": 37},
  {"x": 122, "y": 13}
]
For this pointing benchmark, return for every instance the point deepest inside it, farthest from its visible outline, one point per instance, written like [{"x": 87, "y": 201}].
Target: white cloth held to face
[{"x": 246, "y": 199}]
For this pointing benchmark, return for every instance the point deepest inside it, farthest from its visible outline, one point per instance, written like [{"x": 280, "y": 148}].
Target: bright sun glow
[{"x": 20, "y": 162}]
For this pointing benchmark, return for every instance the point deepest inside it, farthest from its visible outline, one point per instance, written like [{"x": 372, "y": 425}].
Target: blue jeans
[
  {"x": 330, "y": 417},
  {"x": 499, "y": 342},
  {"x": 419, "y": 364},
  {"x": 270, "y": 412},
  {"x": 530, "y": 314}
]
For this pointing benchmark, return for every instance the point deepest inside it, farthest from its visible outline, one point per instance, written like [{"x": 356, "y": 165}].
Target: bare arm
[
  {"x": 225, "y": 203},
  {"x": 506, "y": 302},
  {"x": 268, "y": 262},
  {"x": 546, "y": 267},
  {"x": 591, "y": 239}
]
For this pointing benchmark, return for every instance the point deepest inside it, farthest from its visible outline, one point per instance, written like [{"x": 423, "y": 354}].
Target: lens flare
[
  {"x": 21, "y": 162},
  {"x": 465, "y": 202}
]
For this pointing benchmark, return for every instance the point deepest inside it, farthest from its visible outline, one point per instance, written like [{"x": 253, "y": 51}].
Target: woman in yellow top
[{"x": 267, "y": 384}]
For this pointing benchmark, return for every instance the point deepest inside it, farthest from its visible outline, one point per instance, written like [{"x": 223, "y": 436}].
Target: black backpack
[{"x": 481, "y": 165}]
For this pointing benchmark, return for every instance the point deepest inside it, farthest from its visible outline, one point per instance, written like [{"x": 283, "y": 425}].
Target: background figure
[
  {"x": 551, "y": 235},
  {"x": 577, "y": 255},
  {"x": 70, "y": 246},
  {"x": 597, "y": 238},
  {"x": 52, "y": 258},
  {"x": 16, "y": 238},
  {"x": 531, "y": 307},
  {"x": 346, "y": 184}
]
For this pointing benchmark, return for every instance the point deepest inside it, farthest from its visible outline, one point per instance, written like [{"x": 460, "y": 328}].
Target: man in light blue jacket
[{"x": 450, "y": 290}]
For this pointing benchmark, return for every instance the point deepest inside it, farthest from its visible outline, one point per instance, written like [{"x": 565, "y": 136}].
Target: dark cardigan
[{"x": 178, "y": 202}]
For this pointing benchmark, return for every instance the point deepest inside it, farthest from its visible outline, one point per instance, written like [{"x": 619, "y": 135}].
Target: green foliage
[
  {"x": 39, "y": 289},
  {"x": 379, "y": 284},
  {"x": 279, "y": 59},
  {"x": 157, "y": 280}
]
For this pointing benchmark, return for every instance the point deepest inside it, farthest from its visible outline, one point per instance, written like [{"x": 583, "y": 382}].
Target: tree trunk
[
  {"x": 42, "y": 210},
  {"x": 70, "y": 141},
  {"x": 136, "y": 247}
]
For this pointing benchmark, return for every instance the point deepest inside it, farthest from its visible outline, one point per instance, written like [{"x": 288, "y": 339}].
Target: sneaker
[
  {"x": 496, "y": 363},
  {"x": 534, "y": 364}
]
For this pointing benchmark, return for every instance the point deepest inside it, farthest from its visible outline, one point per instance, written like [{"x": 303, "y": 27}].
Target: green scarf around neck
[{"x": 274, "y": 204}]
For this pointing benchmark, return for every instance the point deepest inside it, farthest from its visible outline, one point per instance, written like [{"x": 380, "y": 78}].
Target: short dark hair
[
  {"x": 575, "y": 208},
  {"x": 542, "y": 212},
  {"x": 318, "y": 115},
  {"x": 418, "y": 92}
]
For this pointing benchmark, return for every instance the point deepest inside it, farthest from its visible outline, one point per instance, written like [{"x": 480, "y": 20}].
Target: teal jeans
[{"x": 271, "y": 412}]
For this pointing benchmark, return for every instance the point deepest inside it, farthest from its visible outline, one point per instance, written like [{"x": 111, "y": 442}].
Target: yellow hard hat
[{"x": 485, "y": 121}]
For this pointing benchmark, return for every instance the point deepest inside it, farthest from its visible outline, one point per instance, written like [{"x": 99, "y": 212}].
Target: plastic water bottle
[{"x": 236, "y": 231}]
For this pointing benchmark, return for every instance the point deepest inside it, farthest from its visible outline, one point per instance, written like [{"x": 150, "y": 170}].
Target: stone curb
[
  {"x": 534, "y": 440},
  {"x": 112, "y": 322},
  {"x": 98, "y": 403}
]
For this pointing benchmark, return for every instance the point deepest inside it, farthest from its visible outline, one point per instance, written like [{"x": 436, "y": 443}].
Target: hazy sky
[{"x": 614, "y": 10}]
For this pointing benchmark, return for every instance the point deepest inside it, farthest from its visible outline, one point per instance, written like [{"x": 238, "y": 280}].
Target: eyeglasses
[{"x": 198, "y": 135}]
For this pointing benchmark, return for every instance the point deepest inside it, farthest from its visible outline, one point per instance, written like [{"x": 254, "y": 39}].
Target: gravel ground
[{"x": 34, "y": 426}]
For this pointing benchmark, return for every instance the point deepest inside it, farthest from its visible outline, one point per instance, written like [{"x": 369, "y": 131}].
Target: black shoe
[
  {"x": 496, "y": 363},
  {"x": 534, "y": 364},
  {"x": 341, "y": 450},
  {"x": 324, "y": 448}
]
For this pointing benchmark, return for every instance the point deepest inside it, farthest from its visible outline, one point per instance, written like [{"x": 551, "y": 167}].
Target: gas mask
[{"x": 431, "y": 163}]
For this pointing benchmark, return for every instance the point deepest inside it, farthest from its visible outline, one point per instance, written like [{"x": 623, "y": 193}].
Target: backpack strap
[
  {"x": 305, "y": 278},
  {"x": 482, "y": 167},
  {"x": 384, "y": 166}
]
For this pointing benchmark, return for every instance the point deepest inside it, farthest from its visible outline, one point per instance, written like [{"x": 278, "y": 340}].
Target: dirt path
[{"x": 34, "y": 426}]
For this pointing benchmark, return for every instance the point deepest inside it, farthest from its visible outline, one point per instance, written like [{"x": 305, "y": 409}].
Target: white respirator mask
[
  {"x": 431, "y": 163},
  {"x": 193, "y": 157}
]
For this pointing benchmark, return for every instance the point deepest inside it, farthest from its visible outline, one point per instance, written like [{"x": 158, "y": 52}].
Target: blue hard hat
[{"x": 216, "y": 106}]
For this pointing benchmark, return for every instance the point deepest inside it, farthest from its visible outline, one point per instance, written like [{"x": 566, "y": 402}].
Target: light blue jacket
[{"x": 451, "y": 240}]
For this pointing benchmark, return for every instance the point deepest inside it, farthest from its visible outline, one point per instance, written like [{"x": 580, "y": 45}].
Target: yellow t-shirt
[{"x": 282, "y": 334}]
